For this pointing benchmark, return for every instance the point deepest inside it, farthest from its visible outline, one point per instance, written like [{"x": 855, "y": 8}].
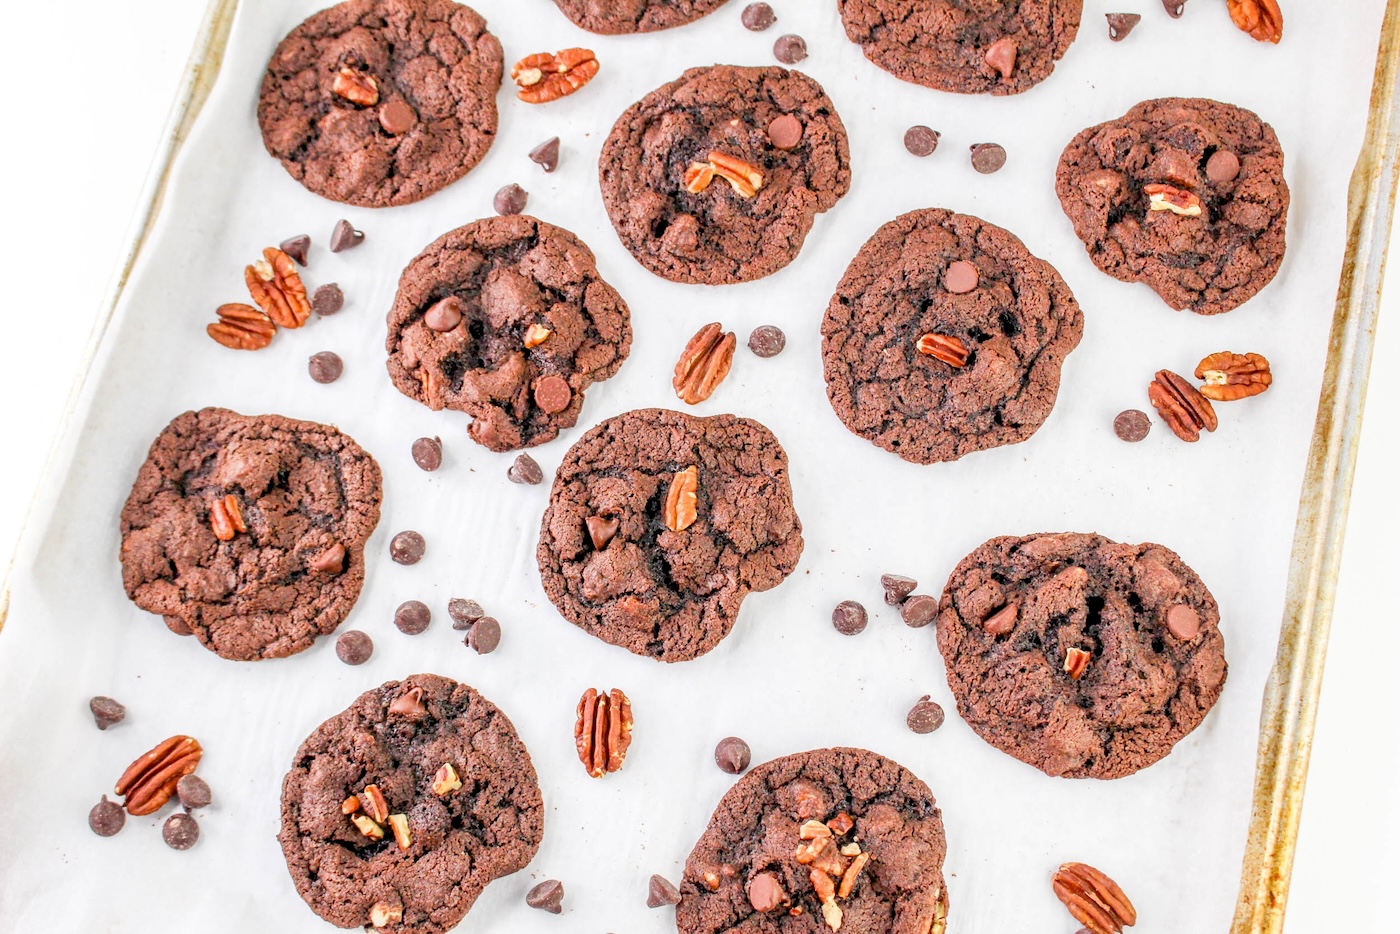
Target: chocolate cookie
[
  {"x": 249, "y": 531},
  {"x": 660, "y": 523},
  {"x": 1080, "y": 656},
  {"x": 1186, "y": 195},
  {"x": 506, "y": 319},
  {"x": 617, "y": 17},
  {"x": 716, "y": 177},
  {"x": 946, "y": 336},
  {"x": 821, "y": 840},
  {"x": 970, "y": 48},
  {"x": 382, "y": 102},
  {"x": 442, "y": 800}
]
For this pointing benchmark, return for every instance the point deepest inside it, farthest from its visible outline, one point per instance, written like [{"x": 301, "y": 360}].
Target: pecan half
[
  {"x": 545, "y": 76},
  {"x": 1077, "y": 662},
  {"x": 704, "y": 363},
  {"x": 1093, "y": 899},
  {"x": 150, "y": 781},
  {"x": 1181, "y": 406},
  {"x": 356, "y": 86},
  {"x": 220, "y": 521},
  {"x": 743, "y": 177},
  {"x": 945, "y": 347},
  {"x": 1171, "y": 198},
  {"x": 1262, "y": 19},
  {"x": 277, "y": 289},
  {"x": 242, "y": 327},
  {"x": 682, "y": 505},
  {"x": 1230, "y": 376},
  {"x": 603, "y": 731}
]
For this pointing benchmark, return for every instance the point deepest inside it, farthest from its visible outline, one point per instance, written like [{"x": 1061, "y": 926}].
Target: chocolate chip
[
  {"x": 552, "y": 394},
  {"x": 785, "y": 132},
  {"x": 988, "y": 157},
  {"x": 427, "y": 453},
  {"x": 757, "y": 17},
  {"x": 397, "y": 117},
  {"x": 106, "y": 818},
  {"x": 354, "y": 647},
  {"x": 897, "y": 587},
  {"x": 106, "y": 711},
  {"x": 732, "y": 755},
  {"x": 925, "y": 717},
  {"x": 547, "y": 896},
  {"x": 1132, "y": 425},
  {"x": 790, "y": 49},
  {"x": 510, "y": 199},
  {"x": 412, "y": 617},
  {"x": 525, "y": 470},
  {"x": 1174, "y": 8},
  {"x": 766, "y": 893},
  {"x": 296, "y": 247},
  {"x": 180, "y": 831},
  {"x": 919, "y": 610},
  {"x": 327, "y": 300},
  {"x": 344, "y": 236},
  {"x": 1183, "y": 622},
  {"x": 443, "y": 315},
  {"x": 849, "y": 618},
  {"x": 960, "y": 277},
  {"x": 1001, "y": 55},
  {"x": 1222, "y": 166},
  {"x": 767, "y": 341},
  {"x": 407, "y": 547},
  {"x": 484, "y": 635},
  {"x": 1120, "y": 24},
  {"x": 660, "y": 890},
  {"x": 601, "y": 530},
  {"x": 546, "y": 154},
  {"x": 330, "y": 561},
  {"x": 193, "y": 792},
  {"x": 325, "y": 367},
  {"x": 921, "y": 140},
  {"x": 464, "y": 612}
]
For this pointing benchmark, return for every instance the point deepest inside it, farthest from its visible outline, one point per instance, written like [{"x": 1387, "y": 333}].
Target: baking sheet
[{"x": 784, "y": 680}]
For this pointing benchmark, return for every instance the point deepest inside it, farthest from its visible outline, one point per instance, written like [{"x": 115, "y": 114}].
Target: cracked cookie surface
[
  {"x": 507, "y": 275},
  {"x": 617, "y": 17},
  {"x": 302, "y": 489},
  {"x": 669, "y": 595},
  {"x": 460, "y": 840},
  {"x": 1018, "y": 322},
  {"x": 434, "y": 55},
  {"x": 746, "y": 859},
  {"x": 1224, "y": 156},
  {"x": 717, "y": 236},
  {"x": 1156, "y": 660}
]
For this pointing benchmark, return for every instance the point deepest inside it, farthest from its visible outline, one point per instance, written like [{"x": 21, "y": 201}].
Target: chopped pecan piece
[
  {"x": 350, "y": 805},
  {"x": 1171, "y": 198},
  {"x": 682, "y": 500},
  {"x": 698, "y": 177},
  {"x": 704, "y": 363},
  {"x": 824, "y": 885},
  {"x": 356, "y": 86},
  {"x": 242, "y": 327},
  {"x": 850, "y": 849},
  {"x": 375, "y": 805},
  {"x": 277, "y": 289},
  {"x": 367, "y": 826},
  {"x": 1230, "y": 376},
  {"x": 1093, "y": 899},
  {"x": 812, "y": 829},
  {"x": 1262, "y": 19},
  {"x": 399, "y": 824},
  {"x": 446, "y": 780},
  {"x": 383, "y": 914},
  {"x": 832, "y": 915},
  {"x": 848, "y": 880},
  {"x": 536, "y": 334},
  {"x": 1181, "y": 406},
  {"x": 1077, "y": 662},
  {"x": 603, "y": 730},
  {"x": 841, "y": 824},
  {"x": 150, "y": 781},
  {"x": 545, "y": 77},
  {"x": 951, "y": 350}
]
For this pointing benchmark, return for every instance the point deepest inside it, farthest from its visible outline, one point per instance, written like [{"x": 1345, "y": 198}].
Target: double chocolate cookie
[
  {"x": 1186, "y": 195},
  {"x": 1078, "y": 655},
  {"x": 717, "y": 177},
  {"x": 660, "y": 523},
  {"x": 249, "y": 531},
  {"x": 382, "y": 102},
  {"x": 616, "y": 17},
  {"x": 815, "y": 842},
  {"x": 506, "y": 319},
  {"x": 970, "y": 48},
  {"x": 398, "y": 811},
  {"x": 946, "y": 336}
]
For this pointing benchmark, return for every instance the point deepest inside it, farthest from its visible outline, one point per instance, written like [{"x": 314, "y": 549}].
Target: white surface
[{"x": 1157, "y": 490}]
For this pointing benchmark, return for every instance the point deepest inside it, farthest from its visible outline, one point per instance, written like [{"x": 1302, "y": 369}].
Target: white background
[{"x": 81, "y": 129}]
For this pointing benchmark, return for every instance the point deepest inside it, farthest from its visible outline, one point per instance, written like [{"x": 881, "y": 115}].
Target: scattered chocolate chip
[
  {"x": 180, "y": 831},
  {"x": 919, "y": 610},
  {"x": 921, "y": 140},
  {"x": 766, "y": 893},
  {"x": 1183, "y": 622},
  {"x": 177, "y": 625},
  {"x": 1132, "y": 425},
  {"x": 767, "y": 341},
  {"x": 354, "y": 647},
  {"x": 757, "y": 17},
  {"x": 849, "y": 618},
  {"x": 552, "y": 394},
  {"x": 193, "y": 792},
  {"x": 925, "y": 717},
  {"x": 525, "y": 470},
  {"x": 546, "y": 154},
  {"x": 484, "y": 636},
  {"x": 464, "y": 612},
  {"x": 412, "y": 617},
  {"x": 327, "y": 300},
  {"x": 1222, "y": 166},
  {"x": 397, "y": 117},
  {"x": 427, "y": 453},
  {"x": 325, "y": 367},
  {"x": 1120, "y": 24},
  {"x": 790, "y": 49},
  {"x": 785, "y": 132},
  {"x": 330, "y": 561},
  {"x": 106, "y": 818},
  {"x": 407, "y": 547},
  {"x": 106, "y": 711},
  {"x": 547, "y": 896},
  {"x": 510, "y": 199},
  {"x": 897, "y": 587},
  {"x": 296, "y": 247},
  {"x": 988, "y": 157},
  {"x": 444, "y": 314},
  {"x": 601, "y": 530},
  {"x": 660, "y": 890},
  {"x": 960, "y": 277},
  {"x": 732, "y": 755},
  {"x": 1174, "y": 8},
  {"x": 344, "y": 236}
]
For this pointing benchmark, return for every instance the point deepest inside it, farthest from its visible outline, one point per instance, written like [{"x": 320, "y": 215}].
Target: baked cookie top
[
  {"x": 716, "y": 177},
  {"x": 970, "y": 48},
  {"x": 382, "y": 102},
  {"x": 817, "y": 819},
  {"x": 250, "y": 531},
  {"x": 946, "y": 336},
  {"x": 508, "y": 320},
  {"x": 660, "y": 523},
  {"x": 615, "y": 17},
  {"x": 1184, "y": 194},
  {"x": 1021, "y": 617},
  {"x": 433, "y": 757}
]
